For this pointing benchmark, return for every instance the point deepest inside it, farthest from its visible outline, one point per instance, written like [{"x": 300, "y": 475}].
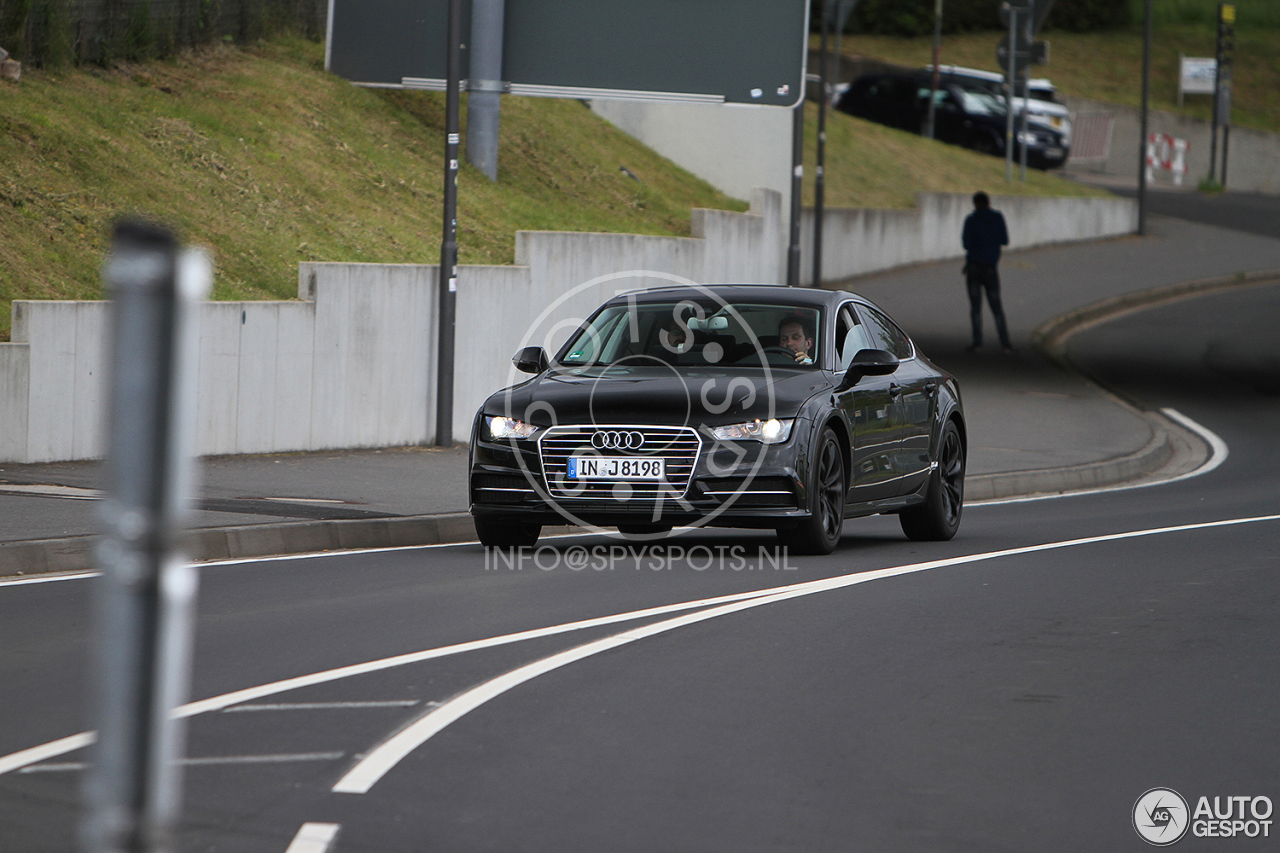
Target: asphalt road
[{"x": 1021, "y": 694}]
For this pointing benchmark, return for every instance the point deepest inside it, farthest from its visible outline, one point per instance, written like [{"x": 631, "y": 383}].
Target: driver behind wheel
[{"x": 796, "y": 334}]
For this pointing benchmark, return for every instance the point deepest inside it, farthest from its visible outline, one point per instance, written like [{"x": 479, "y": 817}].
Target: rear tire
[
  {"x": 496, "y": 531},
  {"x": 820, "y": 532},
  {"x": 938, "y": 518}
]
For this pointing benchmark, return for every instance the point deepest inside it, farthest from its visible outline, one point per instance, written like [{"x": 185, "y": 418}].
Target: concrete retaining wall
[
  {"x": 352, "y": 362},
  {"x": 860, "y": 241}
]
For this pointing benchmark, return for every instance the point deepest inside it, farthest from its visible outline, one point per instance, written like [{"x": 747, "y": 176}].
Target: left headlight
[
  {"x": 503, "y": 427},
  {"x": 772, "y": 431}
]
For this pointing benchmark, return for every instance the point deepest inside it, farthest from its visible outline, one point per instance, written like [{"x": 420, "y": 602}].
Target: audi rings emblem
[{"x": 617, "y": 440}]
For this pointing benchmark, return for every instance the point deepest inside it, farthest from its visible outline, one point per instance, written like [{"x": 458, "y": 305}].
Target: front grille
[
  {"x": 760, "y": 491},
  {"x": 678, "y": 446}
]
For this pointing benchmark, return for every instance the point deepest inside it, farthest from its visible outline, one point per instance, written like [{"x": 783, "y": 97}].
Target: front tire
[
  {"x": 938, "y": 518},
  {"x": 495, "y": 531},
  {"x": 820, "y": 532}
]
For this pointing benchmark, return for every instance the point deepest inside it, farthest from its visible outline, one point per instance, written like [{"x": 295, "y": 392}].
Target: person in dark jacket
[{"x": 984, "y": 234}]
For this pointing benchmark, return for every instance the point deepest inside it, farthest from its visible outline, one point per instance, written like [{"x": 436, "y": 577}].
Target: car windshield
[
  {"x": 981, "y": 103},
  {"x": 698, "y": 333}
]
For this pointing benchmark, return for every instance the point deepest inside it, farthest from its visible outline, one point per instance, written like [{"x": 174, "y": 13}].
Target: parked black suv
[{"x": 963, "y": 116}]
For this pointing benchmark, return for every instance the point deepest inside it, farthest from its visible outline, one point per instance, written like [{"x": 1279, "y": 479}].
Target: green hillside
[{"x": 260, "y": 155}]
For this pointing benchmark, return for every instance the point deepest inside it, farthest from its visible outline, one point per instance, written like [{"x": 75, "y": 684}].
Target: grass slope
[
  {"x": 1107, "y": 66},
  {"x": 268, "y": 160},
  {"x": 870, "y": 165},
  {"x": 260, "y": 155}
]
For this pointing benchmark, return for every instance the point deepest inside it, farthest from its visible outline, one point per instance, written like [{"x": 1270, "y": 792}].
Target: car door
[
  {"x": 873, "y": 414},
  {"x": 915, "y": 387}
]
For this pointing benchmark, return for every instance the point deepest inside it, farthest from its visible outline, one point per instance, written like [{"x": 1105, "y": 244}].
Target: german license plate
[
  {"x": 616, "y": 468},
  {"x": 1053, "y": 152}
]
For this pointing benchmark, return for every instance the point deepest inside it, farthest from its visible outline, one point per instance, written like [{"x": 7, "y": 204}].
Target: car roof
[{"x": 802, "y": 296}]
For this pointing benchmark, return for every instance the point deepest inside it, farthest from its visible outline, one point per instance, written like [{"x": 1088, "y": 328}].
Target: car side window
[
  {"x": 851, "y": 337},
  {"x": 885, "y": 334}
]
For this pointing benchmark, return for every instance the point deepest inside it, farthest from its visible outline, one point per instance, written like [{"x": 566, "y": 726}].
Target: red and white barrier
[{"x": 1167, "y": 154}]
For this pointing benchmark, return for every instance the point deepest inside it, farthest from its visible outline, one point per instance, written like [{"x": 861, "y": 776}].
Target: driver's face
[{"x": 791, "y": 336}]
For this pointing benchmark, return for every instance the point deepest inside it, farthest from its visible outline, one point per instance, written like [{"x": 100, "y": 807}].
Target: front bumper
[{"x": 733, "y": 484}]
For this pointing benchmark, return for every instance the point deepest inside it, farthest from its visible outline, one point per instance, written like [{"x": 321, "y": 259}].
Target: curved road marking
[
  {"x": 64, "y": 745},
  {"x": 1218, "y": 455},
  {"x": 386, "y": 755}
]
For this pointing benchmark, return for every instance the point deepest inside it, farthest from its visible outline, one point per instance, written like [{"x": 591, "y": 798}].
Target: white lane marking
[
  {"x": 324, "y": 706},
  {"x": 73, "y": 492},
  {"x": 52, "y": 749},
  {"x": 217, "y": 703},
  {"x": 76, "y": 576},
  {"x": 1216, "y": 457},
  {"x": 313, "y": 838},
  {"x": 376, "y": 763},
  {"x": 64, "y": 766}
]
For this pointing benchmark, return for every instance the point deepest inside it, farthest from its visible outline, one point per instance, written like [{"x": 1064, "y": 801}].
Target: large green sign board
[{"x": 699, "y": 51}]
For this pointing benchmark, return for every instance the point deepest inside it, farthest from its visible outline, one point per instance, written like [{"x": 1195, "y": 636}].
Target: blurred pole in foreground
[{"x": 146, "y": 593}]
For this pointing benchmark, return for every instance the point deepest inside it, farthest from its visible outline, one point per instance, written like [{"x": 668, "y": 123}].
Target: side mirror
[
  {"x": 868, "y": 362},
  {"x": 530, "y": 360}
]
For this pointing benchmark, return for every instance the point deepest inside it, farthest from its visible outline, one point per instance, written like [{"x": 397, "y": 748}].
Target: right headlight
[
  {"x": 504, "y": 427},
  {"x": 772, "y": 431}
]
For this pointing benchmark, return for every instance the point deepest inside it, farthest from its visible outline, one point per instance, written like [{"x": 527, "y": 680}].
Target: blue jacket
[{"x": 984, "y": 234}]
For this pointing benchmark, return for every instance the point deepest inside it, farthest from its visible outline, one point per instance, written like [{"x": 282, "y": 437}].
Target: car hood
[{"x": 658, "y": 395}]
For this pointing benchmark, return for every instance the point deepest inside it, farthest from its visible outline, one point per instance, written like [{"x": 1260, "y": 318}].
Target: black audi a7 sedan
[{"x": 730, "y": 406}]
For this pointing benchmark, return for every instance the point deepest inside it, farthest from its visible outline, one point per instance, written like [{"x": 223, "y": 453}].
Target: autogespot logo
[{"x": 1160, "y": 816}]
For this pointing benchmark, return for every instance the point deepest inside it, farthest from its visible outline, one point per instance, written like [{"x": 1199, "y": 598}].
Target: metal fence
[{"x": 56, "y": 32}]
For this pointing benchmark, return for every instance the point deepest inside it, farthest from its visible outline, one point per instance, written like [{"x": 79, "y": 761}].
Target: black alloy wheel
[
  {"x": 495, "y": 531},
  {"x": 820, "y": 532},
  {"x": 938, "y": 518}
]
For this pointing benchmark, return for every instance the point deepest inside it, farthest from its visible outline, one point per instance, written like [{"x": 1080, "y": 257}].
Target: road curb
[
  {"x": 1169, "y": 441},
  {"x": 1148, "y": 459}
]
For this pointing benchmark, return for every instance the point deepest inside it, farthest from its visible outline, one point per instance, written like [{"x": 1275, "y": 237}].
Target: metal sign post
[
  {"x": 797, "y": 186},
  {"x": 146, "y": 594},
  {"x": 937, "y": 53},
  {"x": 1142, "y": 137},
  {"x": 1010, "y": 77},
  {"x": 448, "y": 277},
  {"x": 819, "y": 184}
]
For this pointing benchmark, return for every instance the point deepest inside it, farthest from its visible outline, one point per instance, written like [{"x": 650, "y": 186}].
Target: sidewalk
[{"x": 1033, "y": 426}]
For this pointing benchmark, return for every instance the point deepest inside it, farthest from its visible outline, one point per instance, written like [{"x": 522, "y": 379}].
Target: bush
[
  {"x": 914, "y": 18},
  {"x": 1086, "y": 16}
]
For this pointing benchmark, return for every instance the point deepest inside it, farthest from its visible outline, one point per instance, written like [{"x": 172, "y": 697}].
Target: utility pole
[
  {"x": 937, "y": 72},
  {"x": 819, "y": 184},
  {"x": 448, "y": 278},
  {"x": 1010, "y": 77},
  {"x": 797, "y": 186},
  {"x": 1142, "y": 136}
]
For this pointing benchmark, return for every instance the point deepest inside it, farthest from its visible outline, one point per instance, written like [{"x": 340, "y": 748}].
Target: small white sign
[{"x": 1197, "y": 75}]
